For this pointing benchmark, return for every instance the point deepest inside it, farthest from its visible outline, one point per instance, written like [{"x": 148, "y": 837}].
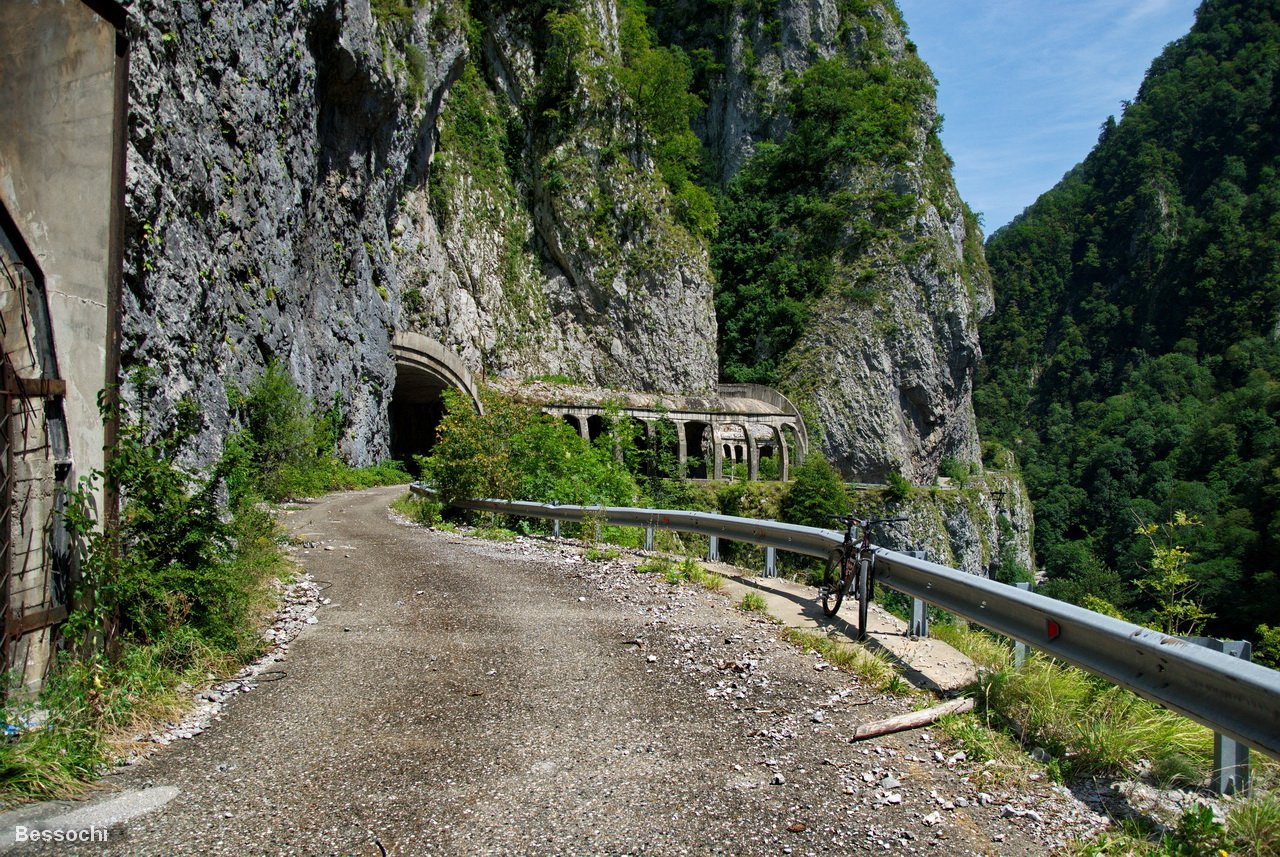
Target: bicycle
[{"x": 850, "y": 568}]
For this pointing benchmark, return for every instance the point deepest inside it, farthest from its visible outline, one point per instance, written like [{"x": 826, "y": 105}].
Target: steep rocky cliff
[
  {"x": 822, "y": 107},
  {"x": 307, "y": 177}
]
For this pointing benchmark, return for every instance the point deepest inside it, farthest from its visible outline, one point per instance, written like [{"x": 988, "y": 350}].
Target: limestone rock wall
[
  {"x": 972, "y": 526},
  {"x": 307, "y": 176},
  {"x": 888, "y": 386},
  {"x": 285, "y": 202}
]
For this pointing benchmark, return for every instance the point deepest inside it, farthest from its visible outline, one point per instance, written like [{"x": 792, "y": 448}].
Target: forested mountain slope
[{"x": 1132, "y": 362}]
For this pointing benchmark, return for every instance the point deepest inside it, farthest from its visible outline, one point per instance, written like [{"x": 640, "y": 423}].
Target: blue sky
[{"x": 1024, "y": 85}]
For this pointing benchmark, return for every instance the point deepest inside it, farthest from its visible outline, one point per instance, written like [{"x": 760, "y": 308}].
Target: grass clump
[
  {"x": 753, "y": 602},
  {"x": 656, "y": 565},
  {"x": 599, "y": 554},
  {"x": 698, "y": 574},
  {"x": 988, "y": 651},
  {"x": 1092, "y": 727},
  {"x": 1253, "y": 826},
  {"x": 871, "y": 667},
  {"x": 1251, "y": 829},
  {"x": 688, "y": 570},
  {"x": 981, "y": 743},
  {"x": 495, "y": 534},
  {"x": 420, "y": 510}
]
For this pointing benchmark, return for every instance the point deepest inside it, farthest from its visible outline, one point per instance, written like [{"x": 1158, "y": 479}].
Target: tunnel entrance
[
  {"x": 424, "y": 370},
  {"x": 415, "y": 414}
]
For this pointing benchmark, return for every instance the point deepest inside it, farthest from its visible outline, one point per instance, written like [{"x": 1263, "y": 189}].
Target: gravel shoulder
[{"x": 457, "y": 696}]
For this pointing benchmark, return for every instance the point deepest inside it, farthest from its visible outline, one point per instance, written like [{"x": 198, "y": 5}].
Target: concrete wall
[
  {"x": 62, "y": 75},
  {"x": 59, "y": 73}
]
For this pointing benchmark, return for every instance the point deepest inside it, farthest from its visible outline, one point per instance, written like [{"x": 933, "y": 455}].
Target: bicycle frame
[{"x": 862, "y": 581}]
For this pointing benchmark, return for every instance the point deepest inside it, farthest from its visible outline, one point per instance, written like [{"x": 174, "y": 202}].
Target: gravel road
[{"x": 461, "y": 697}]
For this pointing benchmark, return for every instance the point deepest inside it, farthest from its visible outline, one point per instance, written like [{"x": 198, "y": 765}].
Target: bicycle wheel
[{"x": 835, "y": 581}]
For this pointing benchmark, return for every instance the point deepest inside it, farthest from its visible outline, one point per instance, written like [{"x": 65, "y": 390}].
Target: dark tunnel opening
[{"x": 415, "y": 412}]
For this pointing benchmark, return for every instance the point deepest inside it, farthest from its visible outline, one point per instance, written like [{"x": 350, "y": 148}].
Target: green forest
[{"x": 1132, "y": 363}]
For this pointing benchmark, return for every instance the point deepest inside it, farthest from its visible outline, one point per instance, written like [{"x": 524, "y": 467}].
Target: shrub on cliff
[{"x": 815, "y": 494}]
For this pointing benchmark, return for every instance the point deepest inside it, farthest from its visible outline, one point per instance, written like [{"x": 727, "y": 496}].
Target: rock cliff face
[
  {"x": 289, "y": 199},
  {"x": 308, "y": 176},
  {"x": 888, "y": 380}
]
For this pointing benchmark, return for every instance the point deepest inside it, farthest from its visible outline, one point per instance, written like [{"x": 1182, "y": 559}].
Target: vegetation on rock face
[
  {"x": 794, "y": 222},
  {"x": 657, "y": 80},
  {"x": 564, "y": 186},
  {"x": 1132, "y": 362}
]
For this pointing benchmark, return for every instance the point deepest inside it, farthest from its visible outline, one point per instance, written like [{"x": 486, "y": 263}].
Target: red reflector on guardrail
[{"x": 1054, "y": 630}]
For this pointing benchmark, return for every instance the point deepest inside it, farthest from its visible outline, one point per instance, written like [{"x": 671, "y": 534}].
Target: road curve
[{"x": 460, "y": 697}]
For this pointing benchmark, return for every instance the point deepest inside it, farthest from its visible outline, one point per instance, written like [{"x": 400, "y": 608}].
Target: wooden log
[{"x": 912, "y": 720}]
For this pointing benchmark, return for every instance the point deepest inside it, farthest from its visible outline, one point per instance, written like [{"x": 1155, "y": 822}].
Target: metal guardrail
[{"x": 1231, "y": 696}]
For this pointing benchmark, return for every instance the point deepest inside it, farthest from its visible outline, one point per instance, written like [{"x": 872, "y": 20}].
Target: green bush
[
  {"x": 955, "y": 470},
  {"x": 174, "y": 563},
  {"x": 172, "y": 594},
  {"x": 288, "y": 448},
  {"x": 815, "y": 495},
  {"x": 514, "y": 452},
  {"x": 1267, "y": 650},
  {"x": 420, "y": 510},
  {"x": 899, "y": 486}
]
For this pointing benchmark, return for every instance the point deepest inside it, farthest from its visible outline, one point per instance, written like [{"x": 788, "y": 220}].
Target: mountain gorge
[
  {"x": 1132, "y": 361},
  {"x": 651, "y": 198}
]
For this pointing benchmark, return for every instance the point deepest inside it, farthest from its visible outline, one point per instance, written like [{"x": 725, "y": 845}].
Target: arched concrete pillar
[
  {"x": 748, "y": 446},
  {"x": 717, "y": 451},
  {"x": 784, "y": 463},
  {"x": 696, "y": 448},
  {"x": 682, "y": 446}
]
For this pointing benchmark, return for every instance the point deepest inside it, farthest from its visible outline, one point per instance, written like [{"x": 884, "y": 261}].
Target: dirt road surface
[{"x": 461, "y": 697}]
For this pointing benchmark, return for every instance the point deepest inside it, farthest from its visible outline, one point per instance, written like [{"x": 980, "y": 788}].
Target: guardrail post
[
  {"x": 555, "y": 528},
  {"x": 770, "y": 561},
  {"x": 648, "y": 537},
  {"x": 713, "y": 548},
  {"x": 919, "y": 619},
  {"x": 919, "y": 626},
  {"x": 1019, "y": 647},
  {"x": 1230, "y": 758}
]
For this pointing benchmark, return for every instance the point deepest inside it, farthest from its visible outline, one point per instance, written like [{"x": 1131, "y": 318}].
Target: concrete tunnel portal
[{"x": 424, "y": 370}]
